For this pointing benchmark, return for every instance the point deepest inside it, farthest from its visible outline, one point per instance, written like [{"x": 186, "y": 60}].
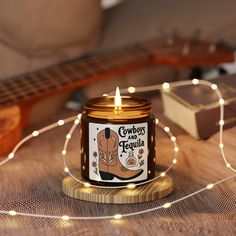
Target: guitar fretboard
[{"x": 65, "y": 75}]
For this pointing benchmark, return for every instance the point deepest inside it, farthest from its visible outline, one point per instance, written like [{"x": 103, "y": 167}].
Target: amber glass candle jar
[{"x": 117, "y": 143}]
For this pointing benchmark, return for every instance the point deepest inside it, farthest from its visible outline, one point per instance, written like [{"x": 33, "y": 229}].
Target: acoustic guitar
[{"x": 17, "y": 95}]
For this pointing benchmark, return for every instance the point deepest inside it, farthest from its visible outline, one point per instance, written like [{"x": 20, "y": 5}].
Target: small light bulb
[
  {"x": 174, "y": 161},
  {"x": 11, "y": 155},
  {"x": 221, "y": 145},
  {"x": 76, "y": 122},
  {"x": 167, "y": 205},
  {"x": 165, "y": 85},
  {"x": 61, "y": 122},
  {"x": 176, "y": 149},
  {"x": 173, "y": 138},
  {"x": 12, "y": 213},
  {"x": 157, "y": 121},
  {"x": 79, "y": 116},
  {"x": 117, "y": 216},
  {"x": 221, "y": 122},
  {"x": 163, "y": 174},
  {"x": 35, "y": 133},
  {"x": 68, "y": 136},
  {"x": 63, "y": 152},
  {"x": 66, "y": 169},
  {"x": 214, "y": 86},
  {"x": 86, "y": 184},
  {"x": 131, "y": 185},
  {"x": 105, "y": 95},
  {"x": 167, "y": 129},
  {"x": 228, "y": 165},
  {"x": 131, "y": 89},
  {"x": 195, "y": 81},
  {"x": 222, "y": 101},
  {"x": 210, "y": 186},
  {"x": 65, "y": 217}
]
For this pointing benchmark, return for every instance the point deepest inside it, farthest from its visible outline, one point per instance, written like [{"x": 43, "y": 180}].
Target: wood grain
[
  {"x": 10, "y": 128},
  {"x": 155, "y": 190}
]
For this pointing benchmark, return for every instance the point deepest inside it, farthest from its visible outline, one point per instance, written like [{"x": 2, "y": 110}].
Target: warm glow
[
  {"x": 65, "y": 217},
  {"x": 76, "y": 122},
  {"x": 63, "y": 152},
  {"x": 228, "y": 165},
  {"x": 61, "y": 122},
  {"x": 131, "y": 89},
  {"x": 117, "y": 216},
  {"x": 35, "y": 133},
  {"x": 174, "y": 161},
  {"x": 163, "y": 174},
  {"x": 12, "y": 213},
  {"x": 118, "y": 102},
  {"x": 210, "y": 186},
  {"x": 167, "y": 129},
  {"x": 214, "y": 86},
  {"x": 11, "y": 155},
  {"x": 165, "y": 86},
  {"x": 195, "y": 81},
  {"x": 173, "y": 138},
  {"x": 131, "y": 185},
  {"x": 176, "y": 149},
  {"x": 221, "y": 122},
  {"x": 221, "y": 101},
  {"x": 86, "y": 184},
  {"x": 167, "y": 205}
]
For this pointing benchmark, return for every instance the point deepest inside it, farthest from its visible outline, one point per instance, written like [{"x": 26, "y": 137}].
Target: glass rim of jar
[{"x": 104, "y": 107}]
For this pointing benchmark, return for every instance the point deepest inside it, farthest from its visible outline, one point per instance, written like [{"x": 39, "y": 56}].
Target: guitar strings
[{"x": 17, "y": 87}]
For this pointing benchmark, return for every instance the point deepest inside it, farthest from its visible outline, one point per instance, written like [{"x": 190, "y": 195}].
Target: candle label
[{"x": 118, "y": 152}]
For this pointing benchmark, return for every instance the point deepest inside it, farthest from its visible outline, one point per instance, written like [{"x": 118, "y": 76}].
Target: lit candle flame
[{"x": 118, "y": 102}]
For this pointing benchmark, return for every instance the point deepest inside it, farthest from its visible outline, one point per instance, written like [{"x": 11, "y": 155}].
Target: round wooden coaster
[{"x": 154, "y": 190}]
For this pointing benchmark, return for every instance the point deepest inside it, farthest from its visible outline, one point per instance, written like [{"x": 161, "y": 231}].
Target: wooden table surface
[{"x": 32, "y": 183}]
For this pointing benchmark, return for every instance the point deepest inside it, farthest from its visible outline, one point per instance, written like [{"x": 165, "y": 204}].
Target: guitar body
[
  {"x": 10, "y": 129},
  {"x": 17, "y": 95},
  {"x": 14, "y": 118}
]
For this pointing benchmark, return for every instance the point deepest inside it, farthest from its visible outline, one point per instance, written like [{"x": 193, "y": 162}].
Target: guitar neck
[
  {"x": 88, "y": 69},
  {"x": 71, "y": 75}
]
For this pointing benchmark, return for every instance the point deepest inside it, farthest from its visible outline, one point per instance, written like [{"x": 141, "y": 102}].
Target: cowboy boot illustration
[{"x": 109, "y": 163}]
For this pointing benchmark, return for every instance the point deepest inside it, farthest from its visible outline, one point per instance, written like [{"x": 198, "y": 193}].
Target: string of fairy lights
[{"x": 76, "y": 120}]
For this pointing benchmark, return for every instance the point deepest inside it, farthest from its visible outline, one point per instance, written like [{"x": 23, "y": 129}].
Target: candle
[{"x": 117, "y": 140}]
